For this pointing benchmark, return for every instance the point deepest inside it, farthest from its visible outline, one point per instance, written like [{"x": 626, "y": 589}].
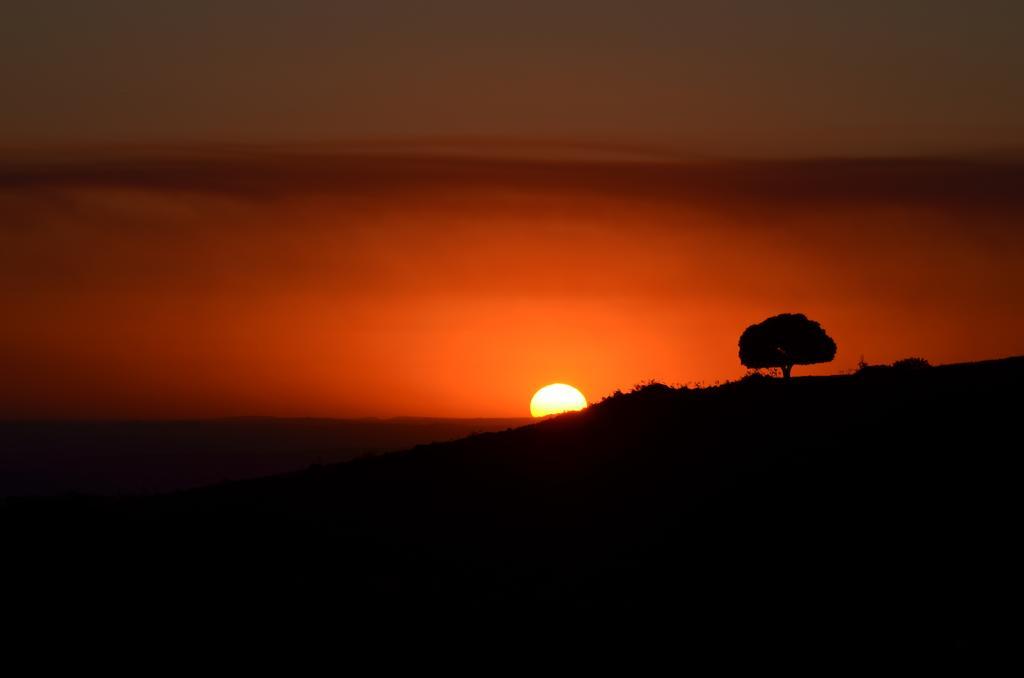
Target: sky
[
  {"x": 433, "y": 209},
  {"x": 800, "y": 77}
]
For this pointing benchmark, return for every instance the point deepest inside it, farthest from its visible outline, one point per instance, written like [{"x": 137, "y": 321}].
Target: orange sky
[{"x": 219, "y": 283}]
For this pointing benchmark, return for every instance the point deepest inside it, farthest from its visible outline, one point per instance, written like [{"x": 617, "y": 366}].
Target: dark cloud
[{"x": 982, "y": 183}]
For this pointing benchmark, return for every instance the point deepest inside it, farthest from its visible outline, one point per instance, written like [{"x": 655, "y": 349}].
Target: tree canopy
[{"x": 784, "y": 341}]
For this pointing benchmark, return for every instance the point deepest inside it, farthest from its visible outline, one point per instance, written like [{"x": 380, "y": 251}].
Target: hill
[{"x": 863, "y": 510}]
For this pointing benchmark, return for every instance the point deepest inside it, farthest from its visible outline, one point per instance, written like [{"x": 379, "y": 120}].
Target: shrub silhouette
[
  {"x": 785, "y": 340},
  {"x": 904, "y": 364},
  {"x": 911, "y": 364}
]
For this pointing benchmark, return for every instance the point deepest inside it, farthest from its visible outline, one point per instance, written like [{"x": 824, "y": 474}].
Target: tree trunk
[{"x": 786, "y": 369}]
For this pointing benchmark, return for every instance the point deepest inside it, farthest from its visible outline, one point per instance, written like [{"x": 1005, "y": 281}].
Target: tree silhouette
[{"x": 785, "y": 340}]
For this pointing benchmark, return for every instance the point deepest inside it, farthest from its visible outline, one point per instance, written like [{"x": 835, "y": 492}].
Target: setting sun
[{"x": 555, "y": 399}]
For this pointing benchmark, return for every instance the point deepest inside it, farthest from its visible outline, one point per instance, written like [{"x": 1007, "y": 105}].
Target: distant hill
[
  {"x": 140, "y": 457},
  {"x": 854, "y": 512}
]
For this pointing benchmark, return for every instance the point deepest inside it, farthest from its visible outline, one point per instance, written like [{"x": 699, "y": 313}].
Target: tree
[{"x": 785, "y": 340}]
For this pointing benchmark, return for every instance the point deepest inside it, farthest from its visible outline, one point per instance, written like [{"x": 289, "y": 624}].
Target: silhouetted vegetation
[
  {"x": 864, "y": 368},
  {"x": 911, "y": 364},
  {"x": 783, "y": 341}
]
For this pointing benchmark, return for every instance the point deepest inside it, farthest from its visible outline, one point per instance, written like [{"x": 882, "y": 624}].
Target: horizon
[{"x": 527, "y": 418}]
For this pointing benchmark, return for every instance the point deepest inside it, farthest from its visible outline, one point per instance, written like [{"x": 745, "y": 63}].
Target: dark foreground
[{"x": 852, "y": 514}]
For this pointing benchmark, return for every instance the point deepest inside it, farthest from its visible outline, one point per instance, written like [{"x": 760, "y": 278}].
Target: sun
[{"x": 556, "y": 398}]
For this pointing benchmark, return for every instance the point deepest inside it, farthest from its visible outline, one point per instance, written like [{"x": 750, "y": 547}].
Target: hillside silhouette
[{"x": 854, "y": 511}]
